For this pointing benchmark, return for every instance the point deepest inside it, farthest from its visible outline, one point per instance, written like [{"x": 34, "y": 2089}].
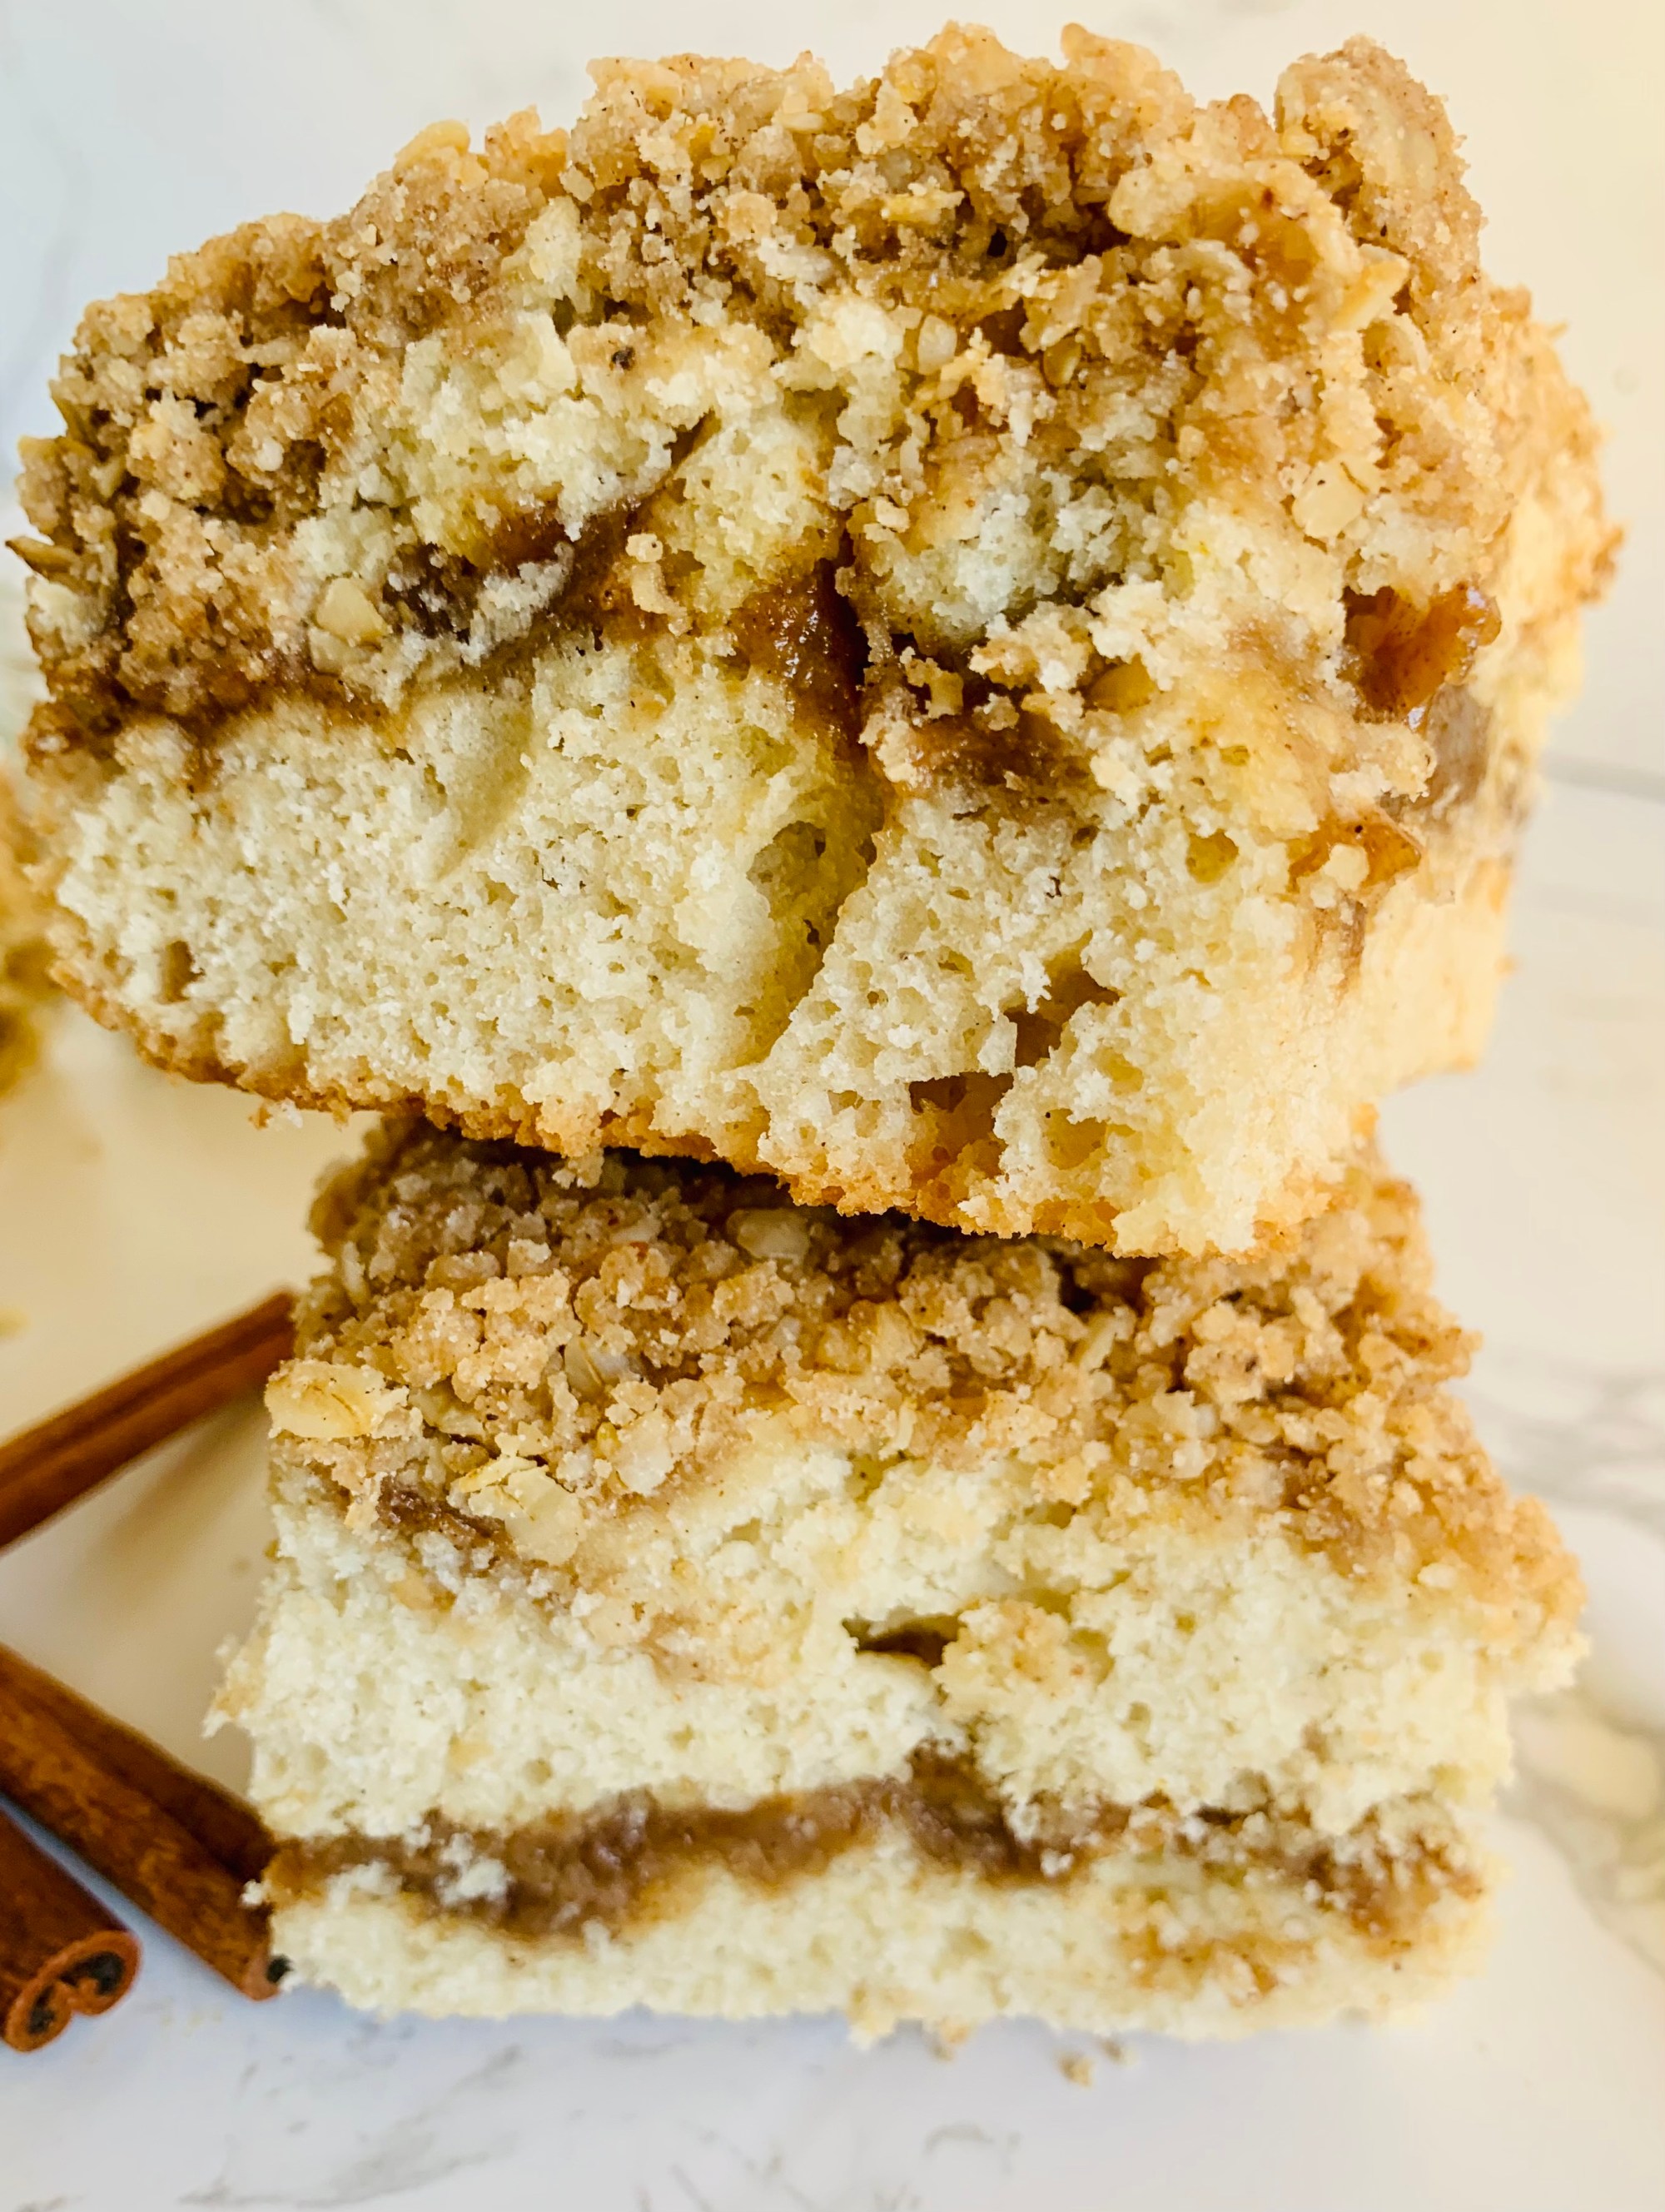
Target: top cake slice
[{"x": 976, "y": 642}]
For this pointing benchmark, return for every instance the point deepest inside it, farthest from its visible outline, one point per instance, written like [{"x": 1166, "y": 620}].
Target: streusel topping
[
  {"x": 499, "y": 1325},
  {"x": 1052, "y": 363}
]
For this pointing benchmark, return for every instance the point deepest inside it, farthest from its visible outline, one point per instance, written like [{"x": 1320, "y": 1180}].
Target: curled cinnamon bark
[{"x": 60, "y": 1952}]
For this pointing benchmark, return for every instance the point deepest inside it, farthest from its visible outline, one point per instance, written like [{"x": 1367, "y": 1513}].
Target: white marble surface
[{"x": 132, "y": 1209}]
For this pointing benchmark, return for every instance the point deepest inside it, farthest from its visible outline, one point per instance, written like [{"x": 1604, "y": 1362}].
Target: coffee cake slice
[
  {"x": 976, "y": 642},
  {"x": 683, "y": 1599}
]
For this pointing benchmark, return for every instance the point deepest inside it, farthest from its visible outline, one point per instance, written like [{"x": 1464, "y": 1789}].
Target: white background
[{"x": 133, "y": 1209}]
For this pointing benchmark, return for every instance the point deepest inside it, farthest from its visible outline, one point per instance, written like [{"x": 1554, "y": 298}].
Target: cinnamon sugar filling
[{"x": 619, "y": 1866}]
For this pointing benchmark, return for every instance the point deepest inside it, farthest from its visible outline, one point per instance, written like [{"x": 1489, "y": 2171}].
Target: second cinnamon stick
[
  {"x": 60, "y": 1952},
  {"x": 123, "y": 1834}
]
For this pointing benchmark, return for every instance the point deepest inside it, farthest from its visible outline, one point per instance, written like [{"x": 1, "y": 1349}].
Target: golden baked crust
[
  {"x": 977, "y": 642},
  {"x": 23, "y": 958}
]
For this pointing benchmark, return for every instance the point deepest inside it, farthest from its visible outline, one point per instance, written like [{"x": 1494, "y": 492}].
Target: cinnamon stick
[
  {"x": 60, "y": 1952},
  {"x": 60, "y": 1460},
  {"x": 227, "y": 1828},
  {"x": 69, "y": 1782}
]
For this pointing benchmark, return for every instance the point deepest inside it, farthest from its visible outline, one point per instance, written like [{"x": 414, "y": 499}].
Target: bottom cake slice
[{"x": 688, "y": 1599}]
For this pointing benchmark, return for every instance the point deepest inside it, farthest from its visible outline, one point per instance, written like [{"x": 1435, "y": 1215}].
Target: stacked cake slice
[
  {"x": 977, "y": 643},
  {"x": 956, "y": 664},
  {"x": 684, "y": 1598}
]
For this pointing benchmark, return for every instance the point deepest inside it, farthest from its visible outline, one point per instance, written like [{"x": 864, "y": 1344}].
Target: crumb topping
[
  {"x": 527, "y": 1345},
  {"x": 1062, "y": 377}
]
